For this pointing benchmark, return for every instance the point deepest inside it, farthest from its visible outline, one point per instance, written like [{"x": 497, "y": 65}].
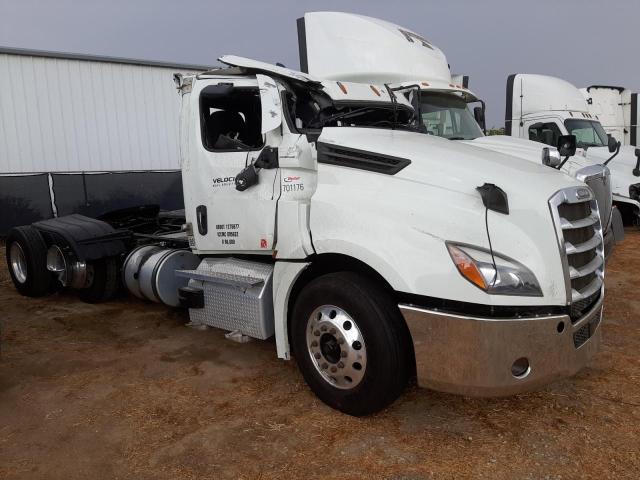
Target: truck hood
[
  {"x": 455, "y": 165},
  {"x": 621, "y": 167},
  {"x": 395, "y": 218},
  {"x": 516, "y": 147}
]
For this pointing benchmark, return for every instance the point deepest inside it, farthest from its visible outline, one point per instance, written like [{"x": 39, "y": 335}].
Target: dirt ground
[{"x": 125, "y": 390}]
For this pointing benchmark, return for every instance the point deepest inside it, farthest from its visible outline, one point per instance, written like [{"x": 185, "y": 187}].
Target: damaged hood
[
  {"x": 516, "y": 147},
  {"x": 453, "y": 165}
]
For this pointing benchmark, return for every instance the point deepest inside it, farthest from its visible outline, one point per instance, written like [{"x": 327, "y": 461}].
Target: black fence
[{"x": 27, "y": 198}]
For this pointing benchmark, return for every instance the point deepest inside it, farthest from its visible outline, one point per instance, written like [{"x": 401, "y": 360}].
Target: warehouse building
[{"x": 86, "y": 134}]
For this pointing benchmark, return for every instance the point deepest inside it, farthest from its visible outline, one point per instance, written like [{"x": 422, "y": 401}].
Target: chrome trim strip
[{"x": 582, "y": 247}]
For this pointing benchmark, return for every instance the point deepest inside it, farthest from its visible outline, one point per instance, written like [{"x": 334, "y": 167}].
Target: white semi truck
[
  {"x": 542, "y": 108},
  {"x": 332, "y": 46},
  {"x": 316, "y": 213}
]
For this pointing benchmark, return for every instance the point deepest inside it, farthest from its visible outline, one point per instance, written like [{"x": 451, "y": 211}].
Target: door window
[
  {"x": 547, "y": 133},
  {"x": 230, "y": 118}
]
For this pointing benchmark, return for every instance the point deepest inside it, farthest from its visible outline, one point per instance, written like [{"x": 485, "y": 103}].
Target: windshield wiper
[{"x": 455, "y": 138}]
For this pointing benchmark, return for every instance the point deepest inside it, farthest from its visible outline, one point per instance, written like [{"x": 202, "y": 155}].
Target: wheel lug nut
[
  {"x": 317, "y": 333},
  {"x": 314, "y": 344},
  {"x": 323, "y": 328},
  {"x": 317, "y": 355},
  {"x": 324, "y": 366},
  {"x": 341, "y": 341},
  {"x": 340, "y": 365},
  {"x": 332, "y": 331},
  {"x": 334, "y": 369},
  {"x": 343, "y": 354}
]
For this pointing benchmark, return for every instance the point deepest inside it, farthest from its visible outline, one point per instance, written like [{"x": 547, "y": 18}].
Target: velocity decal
[{"x": 224, "y": 182}]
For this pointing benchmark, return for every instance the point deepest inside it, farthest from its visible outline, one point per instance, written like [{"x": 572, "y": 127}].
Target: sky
[{"x": 586, "y": 42}]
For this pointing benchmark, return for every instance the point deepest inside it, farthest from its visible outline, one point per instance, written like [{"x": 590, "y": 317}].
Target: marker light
[
  {"x": 467, "y": 267},
  {"x": 342, "y": 87},
  {"x": 375, "y": 90}
]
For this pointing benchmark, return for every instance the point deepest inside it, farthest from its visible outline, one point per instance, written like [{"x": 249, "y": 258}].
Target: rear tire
[
  {"x": 105, "y": 283},
  {"x": 350, "y": 343},
  {"x": 26, "y": 255}
]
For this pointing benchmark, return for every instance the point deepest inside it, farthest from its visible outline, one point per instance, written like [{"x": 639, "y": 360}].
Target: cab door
[{"x": 233, "y": 120}]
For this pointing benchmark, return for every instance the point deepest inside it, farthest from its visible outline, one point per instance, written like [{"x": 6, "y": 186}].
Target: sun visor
[{"x": 356, "y": 48}]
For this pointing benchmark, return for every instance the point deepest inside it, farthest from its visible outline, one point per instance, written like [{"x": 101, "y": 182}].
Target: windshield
[
  {"x": 446, "y": 115},
  {"x": 588, "y": 133}
]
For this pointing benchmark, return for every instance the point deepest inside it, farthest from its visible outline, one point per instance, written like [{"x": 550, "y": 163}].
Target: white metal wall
[{"x": 66, "y": 115}]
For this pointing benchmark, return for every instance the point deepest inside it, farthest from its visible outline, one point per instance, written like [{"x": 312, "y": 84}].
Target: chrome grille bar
[{"x": 580, "y": 238}]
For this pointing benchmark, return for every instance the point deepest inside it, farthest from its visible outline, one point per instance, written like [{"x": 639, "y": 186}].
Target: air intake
[{"x": 360, "y": 159}]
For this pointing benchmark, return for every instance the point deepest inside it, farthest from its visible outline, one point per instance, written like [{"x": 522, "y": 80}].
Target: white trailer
[
  {"x": 616, "y": 108},
  {"x": 86, "y": 134},
  {"x": 316, "y": 212}
]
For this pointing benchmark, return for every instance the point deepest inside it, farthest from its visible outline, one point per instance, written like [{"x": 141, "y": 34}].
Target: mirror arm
[
  {"x": 484, "y": 116},
  {"x": 614, "y": 155},
  {"x": 636, "y": 171},
  {"x": 563, "y": 162}
]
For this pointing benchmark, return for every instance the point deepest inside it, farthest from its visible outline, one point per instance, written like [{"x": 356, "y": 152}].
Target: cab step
[{"x": 231, "y": 294}]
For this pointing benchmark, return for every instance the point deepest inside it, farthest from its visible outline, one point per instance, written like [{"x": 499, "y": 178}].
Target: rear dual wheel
[
  {"x": 351, "y": 343},
  {"x": 26, "y": 254}
]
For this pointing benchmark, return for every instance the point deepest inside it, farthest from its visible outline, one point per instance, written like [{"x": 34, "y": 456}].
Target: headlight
[
  {"x": 507, "y": 277},
  {"x": 634, "y": 192}
]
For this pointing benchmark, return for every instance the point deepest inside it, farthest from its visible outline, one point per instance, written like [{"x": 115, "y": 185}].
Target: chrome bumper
[{"x": 484, "y": 356}]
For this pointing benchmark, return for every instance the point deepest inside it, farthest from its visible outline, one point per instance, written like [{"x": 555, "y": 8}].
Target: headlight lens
[
  {"x": 508, "y": 277},
  {"x": 634, "y": 191}
]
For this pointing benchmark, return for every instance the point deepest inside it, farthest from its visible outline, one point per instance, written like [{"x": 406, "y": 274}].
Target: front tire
[
  {"x": 350, "y": 343},
  {"x": 26, "y": 254}
]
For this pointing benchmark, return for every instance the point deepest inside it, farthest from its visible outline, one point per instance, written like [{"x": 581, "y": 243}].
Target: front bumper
[{"x": 474, "y": 356}]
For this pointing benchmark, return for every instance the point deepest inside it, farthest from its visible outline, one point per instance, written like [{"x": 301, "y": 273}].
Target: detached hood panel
[{"x": 348, "y": 47}]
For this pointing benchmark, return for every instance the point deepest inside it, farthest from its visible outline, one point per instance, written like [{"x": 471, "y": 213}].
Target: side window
[
  {"x": 547, "y": 133},
  {"x": 230, "y": 118}
]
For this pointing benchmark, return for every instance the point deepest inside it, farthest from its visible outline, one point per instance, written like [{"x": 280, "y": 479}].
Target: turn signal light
[{"x": 467, "y": 267}]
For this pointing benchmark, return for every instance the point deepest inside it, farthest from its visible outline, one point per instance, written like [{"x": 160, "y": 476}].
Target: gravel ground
[{"x": 125, "y": 390}]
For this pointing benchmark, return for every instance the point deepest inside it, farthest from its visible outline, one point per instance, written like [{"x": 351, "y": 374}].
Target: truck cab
[{"x": 541, "y": 108}]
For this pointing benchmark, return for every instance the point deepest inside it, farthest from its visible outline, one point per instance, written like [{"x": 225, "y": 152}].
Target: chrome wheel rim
[
  {"x": 336, "y": 347},
  {"x": 18, "y": 262}
]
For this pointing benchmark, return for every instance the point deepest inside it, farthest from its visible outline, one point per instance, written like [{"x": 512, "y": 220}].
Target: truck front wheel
[
  {"x": 27, "y": 261},
  {"x": 349, "y": 342}
]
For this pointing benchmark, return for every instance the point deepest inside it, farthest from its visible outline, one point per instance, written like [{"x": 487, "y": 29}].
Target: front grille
[
  {"x": 586, "y": 331},
  {"x": 580, "y": 232},
  {"x": 598, "y": 178}
]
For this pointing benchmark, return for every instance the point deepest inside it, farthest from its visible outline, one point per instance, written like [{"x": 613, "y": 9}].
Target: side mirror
[
  {"x": 612, "y": 143},
  {"x": 478, "y": 114},
  {"x": 567, "y": 145},
  {"x": 269, "y": 103},
  {"x": 551, "y": 157}
]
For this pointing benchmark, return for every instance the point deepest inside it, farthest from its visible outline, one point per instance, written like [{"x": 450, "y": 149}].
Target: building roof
[{"x": 100, "y": 58}]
